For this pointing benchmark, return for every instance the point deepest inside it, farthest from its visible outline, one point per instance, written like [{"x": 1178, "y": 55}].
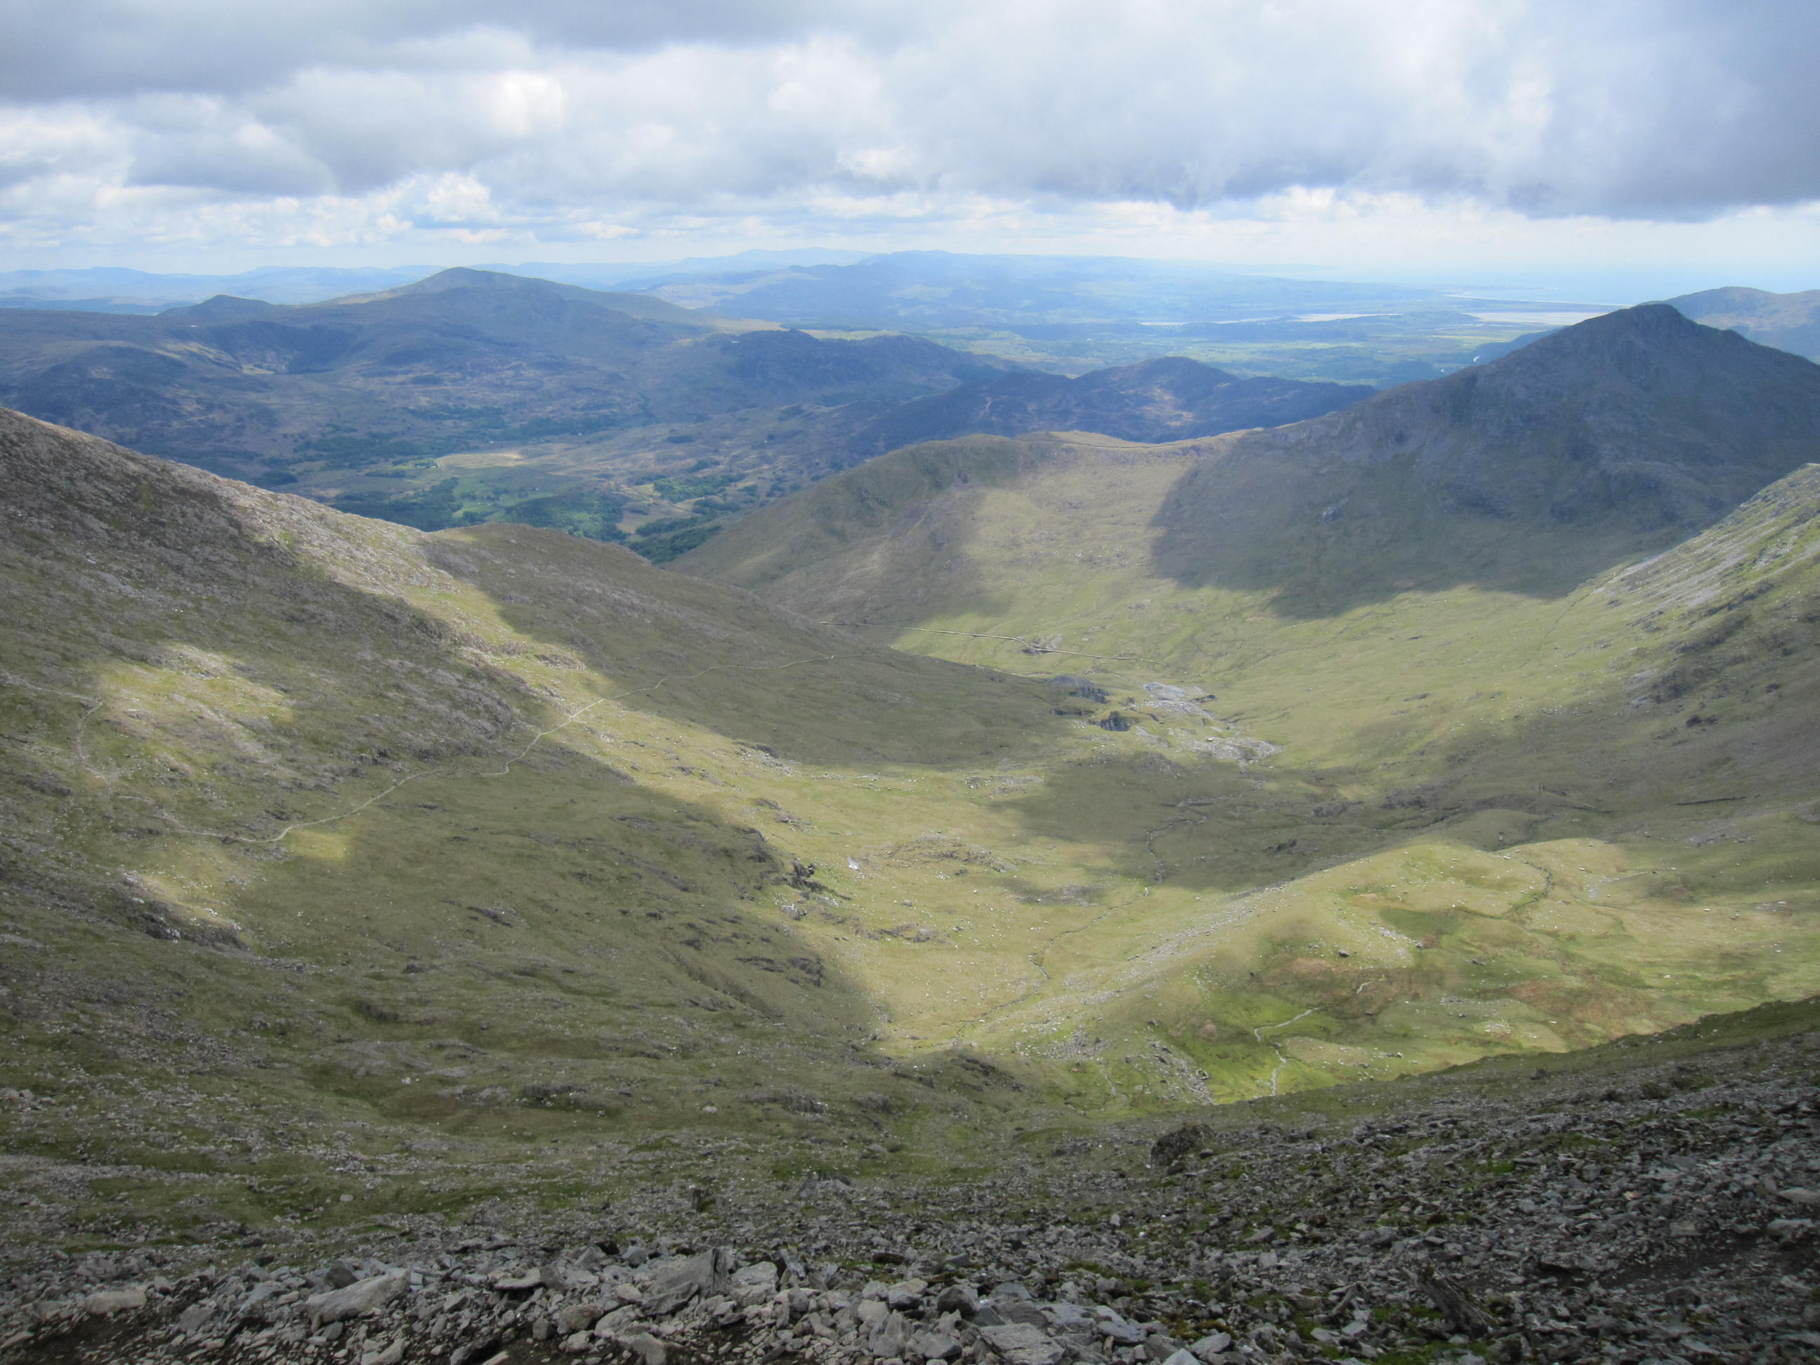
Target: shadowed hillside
[
  {"x": 1611, "y": 438},
  {"x": 1158, "y": 400}
]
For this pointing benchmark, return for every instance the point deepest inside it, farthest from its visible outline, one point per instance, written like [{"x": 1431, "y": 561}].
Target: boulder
[{"x": 357, "y": 1299}]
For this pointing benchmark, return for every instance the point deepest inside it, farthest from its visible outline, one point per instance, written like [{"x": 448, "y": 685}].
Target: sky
[{"x": 1380, "y": 138}]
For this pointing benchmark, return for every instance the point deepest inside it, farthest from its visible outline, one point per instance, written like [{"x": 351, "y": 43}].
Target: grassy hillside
[
  {"x": 1525, "y": 780},
  {"x": 328, "y": 845},
  {"x": 353, "y": 872}
]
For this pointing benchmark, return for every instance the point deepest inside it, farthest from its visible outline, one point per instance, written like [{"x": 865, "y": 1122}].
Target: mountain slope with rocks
[
  {"x": 363, "y": 884},
  {"x": 1652, "y": 1201}
]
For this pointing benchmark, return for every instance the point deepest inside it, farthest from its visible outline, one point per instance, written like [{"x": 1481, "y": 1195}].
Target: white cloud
[{"x": 647, "y": 116}]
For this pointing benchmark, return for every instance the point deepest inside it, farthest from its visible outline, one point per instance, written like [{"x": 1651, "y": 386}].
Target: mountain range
[
  {"x": 1626, "y": 432},
  {"x": 474, "y": 396},
  {"x": 459, "y": 359},
  {"x": 960, "y": 803},
  {"x": 110, "y": 289}
]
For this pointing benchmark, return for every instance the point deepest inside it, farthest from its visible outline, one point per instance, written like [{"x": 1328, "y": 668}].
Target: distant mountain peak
[
  {"x": 1652, "y": 347},
  {"x": 222, "y": 308},
  {"x": 1789, "y": 322},
  {"x": 464, "y": 277}
]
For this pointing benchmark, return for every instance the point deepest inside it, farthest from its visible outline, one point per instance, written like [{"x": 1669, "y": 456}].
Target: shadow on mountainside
[
  {"x": 697, "y": 652},
  {"x": 1318, "y": 539},
  {"x": 1603, "y": 442},
  {"x": 1704, "y": 718},
  {"x": 219, "y": 746}
]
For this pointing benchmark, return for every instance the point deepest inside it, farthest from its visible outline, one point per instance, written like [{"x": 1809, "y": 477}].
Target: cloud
[
  {"x": 110, "y": 48},
  {"x": 565, "y": 112}
]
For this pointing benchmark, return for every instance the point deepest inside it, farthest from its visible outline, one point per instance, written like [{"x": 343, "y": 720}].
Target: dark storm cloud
[{"x": 1627, "y": 108}]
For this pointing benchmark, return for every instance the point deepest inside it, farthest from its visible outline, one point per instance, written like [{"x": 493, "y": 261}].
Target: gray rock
[
  {"x": 648, "y": 1349},
  {"x": 888, "y": 1336},
  {"x": 1114, "y": 1325},
  {"x": 754, "y": 1283},
  {"x": 619, "y": 1320},
  {"x": 871, "y": 1312},
  {"x": 676, "y": 1281},
  {"x": 1211, "y": 1345},
  {"x": 933, "y": 1345},
  {"x": 578, "y": 1317},
  {"x": 106, "y": 1302},
  {"x": 906, "y": 1293},
  {"x": 356, "y": 1300},
  {"x": 194, "y": 1318},
  {"x": 1022, "y": 1343},
  {"x": 958, "y": 1298},
  {"x": 1068, "y": 1315}
]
